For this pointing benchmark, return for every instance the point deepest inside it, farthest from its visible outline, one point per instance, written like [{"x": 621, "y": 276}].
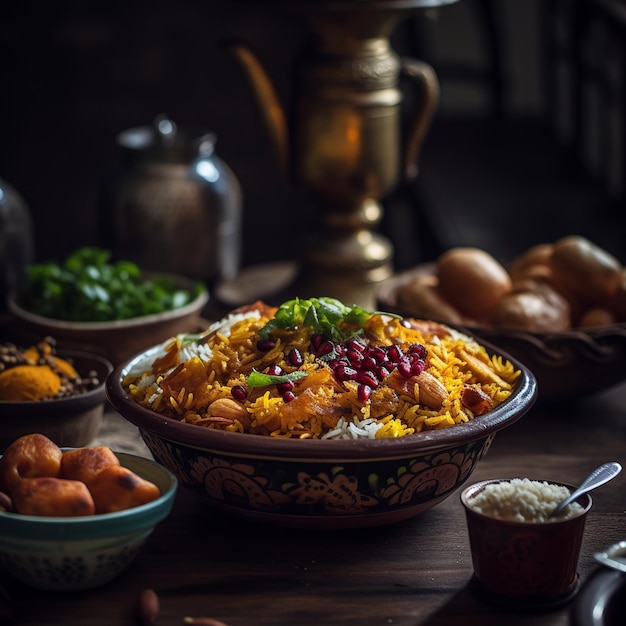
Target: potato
[
  {"x": 116, "y": 488},
  {"x": 422, "y": 297},
  {"x": 85, "y": 463},
  {"x": 541, "y": 308},
  {"x": 535, "y": 260},
  {"x": 29, "y": 456},
  {"x": 54, "y": 497},
  {"x": 585, "y": 269},
  {"x": 472, "y": 280}
]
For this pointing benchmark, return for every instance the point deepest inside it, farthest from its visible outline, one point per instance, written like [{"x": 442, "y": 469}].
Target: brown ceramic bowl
[
  {"x": 566, "y": 364},
  {"x": 70, "y": 422},
  {"x": 118, "y": 340},
  {"x": 321, "y": 484}
]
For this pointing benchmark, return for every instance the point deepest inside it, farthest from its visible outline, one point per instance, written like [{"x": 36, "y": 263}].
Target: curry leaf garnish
[{"x": 258, "y": 379}]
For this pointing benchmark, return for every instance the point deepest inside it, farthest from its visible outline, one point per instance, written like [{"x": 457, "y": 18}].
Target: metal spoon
[{"x": 598, "y": 477}]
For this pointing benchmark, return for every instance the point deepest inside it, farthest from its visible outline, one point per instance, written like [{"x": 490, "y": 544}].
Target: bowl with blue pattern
[{"x": 76, "y": 553}]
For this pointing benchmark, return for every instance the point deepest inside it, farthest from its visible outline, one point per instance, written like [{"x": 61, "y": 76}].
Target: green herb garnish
[
  {"x": 257, "y": 379},
  {"x": 86, "y": 287},
  {"x": 322, "y": 314}
]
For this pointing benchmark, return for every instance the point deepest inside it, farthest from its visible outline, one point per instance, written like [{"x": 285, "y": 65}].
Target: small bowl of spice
[
  {"x": 523, "y": 557},
  {"x": 57, "y": 393}
]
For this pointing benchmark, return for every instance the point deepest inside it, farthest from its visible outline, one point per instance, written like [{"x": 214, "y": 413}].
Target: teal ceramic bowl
[{"x": 74, "y": 553}]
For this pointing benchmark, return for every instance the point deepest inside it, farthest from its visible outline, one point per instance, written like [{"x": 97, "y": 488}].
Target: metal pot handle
[{"x": 428, "y": 85}]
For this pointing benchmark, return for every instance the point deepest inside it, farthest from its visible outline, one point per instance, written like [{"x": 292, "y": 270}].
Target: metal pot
[{"x": 175, "y": 206}]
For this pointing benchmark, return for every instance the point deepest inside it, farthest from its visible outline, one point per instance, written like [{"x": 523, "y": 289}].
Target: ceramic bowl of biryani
[
  {"x": 318, "y": 415},
  {"x": 112, "y": 309},
  {"x": 72, "y": 553},
  {"x": 59, "y": 393}
]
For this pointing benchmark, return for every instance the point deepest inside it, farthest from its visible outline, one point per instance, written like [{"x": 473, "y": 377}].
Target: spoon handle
[{"x": 598, "y": 477}]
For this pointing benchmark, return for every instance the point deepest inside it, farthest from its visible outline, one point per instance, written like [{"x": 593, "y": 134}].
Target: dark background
[{"x": 512, "y": 158}]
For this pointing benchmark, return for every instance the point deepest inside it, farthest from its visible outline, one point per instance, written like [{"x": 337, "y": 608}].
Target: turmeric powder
[
  {"x": 37, "y": 373},
  {"x": 28, "y": 383}
]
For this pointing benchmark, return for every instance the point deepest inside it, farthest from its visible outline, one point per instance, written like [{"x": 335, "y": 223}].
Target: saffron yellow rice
[{"x": 203, "y": 380}]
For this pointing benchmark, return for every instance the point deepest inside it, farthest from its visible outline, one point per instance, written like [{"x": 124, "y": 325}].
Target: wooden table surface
[{"x": 202, "y": 563}]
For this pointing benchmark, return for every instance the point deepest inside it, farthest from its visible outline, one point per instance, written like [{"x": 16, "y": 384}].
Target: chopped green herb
[
  {"x": 86, "y": 287},
  {"x": 321, "y": 314},
  {"x": 257, "y": 379}
]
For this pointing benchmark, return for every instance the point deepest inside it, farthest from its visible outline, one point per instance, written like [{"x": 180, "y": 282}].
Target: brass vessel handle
[
  {"x": 428, "y": 84},
  {"x": 267, "y": 97}
]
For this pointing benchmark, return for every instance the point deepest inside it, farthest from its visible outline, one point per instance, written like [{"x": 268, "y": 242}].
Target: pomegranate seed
[
  {"x": 377, "y": 354},
  {"x": 265, "y": 345},
  {"x": 345, "y": 372},
  {"x": 369, "y": 363},
  {"x": 363, "y": 393},
  {"x": 326, "y": 348},
  {"x": 355, "y": 344},
  {"x": 368, "y": 378},
  {"x": 288, "y": 396},
  {"x": 394, "y": 353},
  {"x": 354, "y": 356},
  {"x": 387, "y": 364},
  {"x": 417, "y": 368},
  {"x": 284, "y": 387},
  {"x": 295, "y": 357},
  {"x": 382, "y": 372},
  {"x": 275, "y": 370},
  {"x": 404, "y": 367},
  {"x": 316, "y": 341},
  {"x": 239, "y": 393},
  {"x": 419, "y": 349}
]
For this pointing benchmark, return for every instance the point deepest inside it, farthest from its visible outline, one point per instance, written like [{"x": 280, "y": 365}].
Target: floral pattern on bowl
[{"x": 321, "y": 493}]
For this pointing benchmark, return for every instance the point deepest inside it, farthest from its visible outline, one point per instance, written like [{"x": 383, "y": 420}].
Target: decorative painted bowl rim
[
  {"x": 59, "y": 406},
  {"x": 13, "y": 303},
  {"x": 256, "y": 446},
  {"x": 101, "y": 526}
]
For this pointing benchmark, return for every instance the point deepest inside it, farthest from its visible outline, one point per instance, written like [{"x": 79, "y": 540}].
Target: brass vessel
[{"x": 345, "y": 145}]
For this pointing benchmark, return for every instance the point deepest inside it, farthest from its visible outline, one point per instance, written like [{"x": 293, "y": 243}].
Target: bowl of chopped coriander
[{"x": 112, "y": 308}]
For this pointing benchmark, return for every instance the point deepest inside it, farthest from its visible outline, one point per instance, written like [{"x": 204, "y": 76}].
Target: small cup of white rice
[{"x": 521, "y": 556}]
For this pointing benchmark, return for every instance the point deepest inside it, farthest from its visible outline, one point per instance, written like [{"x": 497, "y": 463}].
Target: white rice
[
  {"x": 345, "y": 429},
  {"x": 523, "y": 500},
  {"x": 222, "y": 326}
]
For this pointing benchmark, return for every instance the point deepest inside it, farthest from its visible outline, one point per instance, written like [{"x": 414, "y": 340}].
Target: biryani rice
[{"x": 192, "y": 373}]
